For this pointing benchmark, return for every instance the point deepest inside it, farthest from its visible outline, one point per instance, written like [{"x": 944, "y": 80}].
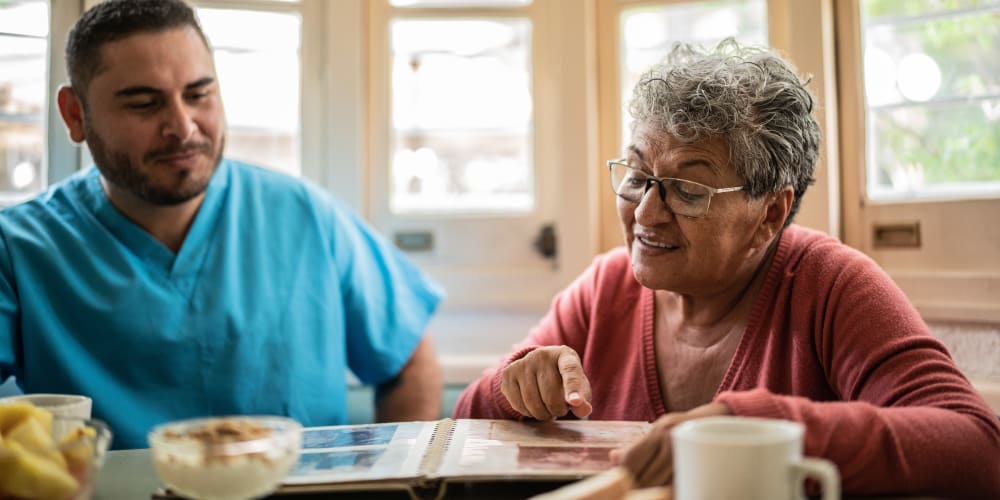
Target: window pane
[
  {"x": 458, "y": 3},
  {"x": 23, "y": 76},
  {"x": 259, "y": 78},
  {"x": 648, "y": 34},
  {"x": 932, "y": 88},
  {"x": 885, "y": 10},
  {"x": 462, "y": 116}
]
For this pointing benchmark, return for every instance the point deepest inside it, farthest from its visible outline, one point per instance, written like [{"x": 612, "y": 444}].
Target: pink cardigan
[{"x": 831, "y": 342}]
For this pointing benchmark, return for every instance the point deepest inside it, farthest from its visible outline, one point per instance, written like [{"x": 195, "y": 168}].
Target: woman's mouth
[{"x": 654, "y": 243}]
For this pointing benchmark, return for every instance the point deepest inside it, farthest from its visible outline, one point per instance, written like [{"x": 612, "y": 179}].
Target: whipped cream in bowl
[{"x": 225, "y": 458}]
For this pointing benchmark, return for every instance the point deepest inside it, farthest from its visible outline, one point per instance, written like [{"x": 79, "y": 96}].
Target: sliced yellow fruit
[
  {"x": 27, "y": 475},
  {"x": 33, "y": 437},
  {"x": 12, "y": 414},
  {"x": 77, "y": 447}
]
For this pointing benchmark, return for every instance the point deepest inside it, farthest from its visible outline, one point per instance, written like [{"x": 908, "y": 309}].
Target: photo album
[{"x": 421, "y": 456}]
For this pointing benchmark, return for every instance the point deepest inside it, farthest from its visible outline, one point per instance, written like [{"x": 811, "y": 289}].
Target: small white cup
[
  {"x": 61, "y": 406},
  {"x": 721, "y": 458}
]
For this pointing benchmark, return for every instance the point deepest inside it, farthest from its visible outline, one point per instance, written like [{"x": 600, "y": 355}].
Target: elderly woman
[{"x": 718, "y": 305}]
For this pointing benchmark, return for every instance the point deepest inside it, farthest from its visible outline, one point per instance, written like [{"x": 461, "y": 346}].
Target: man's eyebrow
[
  {"x": 200, "y": 83},
  {"x": 137, "y": 90},
  {"x": 146, "y": 90}
]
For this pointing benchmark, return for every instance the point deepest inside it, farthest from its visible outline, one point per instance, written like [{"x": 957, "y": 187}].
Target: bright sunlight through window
[
  {"x": 257, "y": 59},
  {"x": 24, "y": 31},
  {"x": 462, "y": 116},
  {"x": 648, "y": 34},
  {"x": 932, "y": 87}
]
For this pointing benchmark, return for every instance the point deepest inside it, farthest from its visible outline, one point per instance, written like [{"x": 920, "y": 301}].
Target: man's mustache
[{"x": 179, "y": 149}]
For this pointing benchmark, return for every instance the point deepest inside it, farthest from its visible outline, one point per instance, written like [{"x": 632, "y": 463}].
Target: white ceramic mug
[
  {"x": 66, "y": 409},
  {"x": 722, "y": 458}
]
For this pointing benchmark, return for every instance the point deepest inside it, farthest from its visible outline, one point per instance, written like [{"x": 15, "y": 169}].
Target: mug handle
[{"x": 823, "y": 471}]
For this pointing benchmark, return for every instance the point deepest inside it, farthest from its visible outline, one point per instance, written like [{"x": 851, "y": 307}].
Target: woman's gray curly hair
[{"x": 750, "y": 97}]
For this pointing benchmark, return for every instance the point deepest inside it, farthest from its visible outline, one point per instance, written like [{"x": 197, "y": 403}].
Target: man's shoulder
[
  {"x": 284, "y": 195},
  {"x": 246, "y": 173},
  {"x": 267, "y": 182},
  {"x": 60, "y": 200}
]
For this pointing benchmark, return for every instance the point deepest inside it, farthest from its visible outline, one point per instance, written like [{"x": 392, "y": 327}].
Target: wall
[{"x": 976, "y": 349}]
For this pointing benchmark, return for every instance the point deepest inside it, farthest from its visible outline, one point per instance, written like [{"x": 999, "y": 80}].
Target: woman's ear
[
  {"x": 71, "y": 110},
  {"x": 775, "y": 211}
]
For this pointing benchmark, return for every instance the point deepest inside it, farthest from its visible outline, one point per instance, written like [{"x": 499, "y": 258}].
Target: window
[
  {"x": 920, "y": 95},
  {"x": 461, "y": 116},
  {"x": 24, "y": 31},
  {"x": 478, "y": 148},
  {"x": 649, "y": 32},
  {"x": 632, "y": 36},
  {"x": 262, "y": 107},
  {"x": 481, "y": 122},
  {"x": 932, "y": 98}
]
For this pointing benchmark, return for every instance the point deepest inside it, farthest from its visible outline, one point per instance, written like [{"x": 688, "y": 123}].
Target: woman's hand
[
  {"x": 650, "y": 459},
  {"x": 547, "y": 383}
]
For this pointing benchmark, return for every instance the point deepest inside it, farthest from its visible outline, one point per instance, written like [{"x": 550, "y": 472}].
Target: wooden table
[{"x": 129, "y": 474}]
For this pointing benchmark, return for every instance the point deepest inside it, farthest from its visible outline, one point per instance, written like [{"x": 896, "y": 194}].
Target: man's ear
[
  {"x": 776, "y": 208},
  {"x": 71, "y": 110}
]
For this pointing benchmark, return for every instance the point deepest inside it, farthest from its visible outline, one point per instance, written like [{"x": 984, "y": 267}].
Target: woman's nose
[{"x": 652, "y": 208}]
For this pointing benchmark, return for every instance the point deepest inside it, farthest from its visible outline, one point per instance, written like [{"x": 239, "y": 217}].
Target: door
[{"x": 481, "y": 144}]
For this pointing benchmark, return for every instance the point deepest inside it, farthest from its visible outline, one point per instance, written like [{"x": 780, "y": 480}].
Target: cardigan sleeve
[
  {"x": 566, "y": 323},
  {"x": 907, "y": 421}
]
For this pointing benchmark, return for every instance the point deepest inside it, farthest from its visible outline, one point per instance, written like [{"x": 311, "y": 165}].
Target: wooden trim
[
  {"x": 803, "y": 31},
  {"x": 609, "y": 112},
  {"x": 852, "y": 122},
  {"x": 952, "y": 295}
]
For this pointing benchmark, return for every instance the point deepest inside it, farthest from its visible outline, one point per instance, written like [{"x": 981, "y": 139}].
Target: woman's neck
[{"x": 709, "y": 318}]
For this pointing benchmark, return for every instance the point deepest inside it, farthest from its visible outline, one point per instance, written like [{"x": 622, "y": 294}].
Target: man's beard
[{"x": 117, "y": 168}]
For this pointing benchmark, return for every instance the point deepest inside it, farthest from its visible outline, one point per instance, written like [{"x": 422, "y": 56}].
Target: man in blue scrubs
[{"x": 169, "y": 282}]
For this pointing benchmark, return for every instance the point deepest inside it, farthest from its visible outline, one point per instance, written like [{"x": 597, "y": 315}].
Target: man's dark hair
[{"x": 113, "y": 20}]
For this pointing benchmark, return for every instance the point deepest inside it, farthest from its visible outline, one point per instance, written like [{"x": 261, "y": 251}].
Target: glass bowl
[
  {"x": 225, "y": 458},
  {"x": 63, "y": 464}
]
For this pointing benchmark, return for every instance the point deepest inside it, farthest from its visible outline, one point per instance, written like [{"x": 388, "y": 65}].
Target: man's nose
[{"x": 178, "y": 122}]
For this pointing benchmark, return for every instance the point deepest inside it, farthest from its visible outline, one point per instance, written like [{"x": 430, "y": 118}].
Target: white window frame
[
  {"x": 62, "y": 156},
  {"x": 955, "y": 274}
]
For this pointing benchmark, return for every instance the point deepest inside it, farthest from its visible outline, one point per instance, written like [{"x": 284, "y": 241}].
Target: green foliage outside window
[{"x": 953, "y": 136}]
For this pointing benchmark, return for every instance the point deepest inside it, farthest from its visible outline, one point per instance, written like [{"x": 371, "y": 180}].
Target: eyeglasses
[{"x": 687, "y": 198}]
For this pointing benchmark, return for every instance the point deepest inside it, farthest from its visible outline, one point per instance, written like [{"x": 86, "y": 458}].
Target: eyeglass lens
[{"x": 683, "y": 197}]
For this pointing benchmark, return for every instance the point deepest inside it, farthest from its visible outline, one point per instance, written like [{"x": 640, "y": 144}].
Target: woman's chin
[{"x": 653, "y": 278}]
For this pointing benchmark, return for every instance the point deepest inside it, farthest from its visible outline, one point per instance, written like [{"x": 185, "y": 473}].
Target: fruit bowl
[
  {"x": 49, "y": 458},
  {"x": 225, "y": 458}
]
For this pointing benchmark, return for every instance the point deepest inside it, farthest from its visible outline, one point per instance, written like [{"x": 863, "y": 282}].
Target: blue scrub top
[{"x": 276, "y": 291}]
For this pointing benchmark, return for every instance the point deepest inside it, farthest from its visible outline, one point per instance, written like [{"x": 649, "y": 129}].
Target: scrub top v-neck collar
[{"x": 186, "y": 262}]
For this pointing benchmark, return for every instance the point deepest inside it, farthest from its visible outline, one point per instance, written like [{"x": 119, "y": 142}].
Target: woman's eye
[
  {"x": 688, "y": 192},
  {"x": 636, "y": 181}
]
